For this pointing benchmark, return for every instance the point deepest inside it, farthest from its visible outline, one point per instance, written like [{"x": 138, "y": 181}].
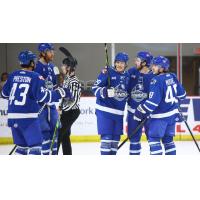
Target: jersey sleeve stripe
[
  {"x": 163, "y": 115},
  {"x": 147, "y": 108},
  {"x": 182, "y": 95},
  {"x": 45, "y": 95},
  {"x": 151, "y": 103},
  {"x": 4, "y": 94},
  {"x": 50, "y": 96},
  {"x": 97, "y": 91},
  {"x": 94, "y": 87}
]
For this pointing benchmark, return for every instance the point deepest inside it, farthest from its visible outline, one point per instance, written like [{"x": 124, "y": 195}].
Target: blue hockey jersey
[
  {"x": 24, "y": 89},
  {"x": 138, "y": 88},
  {"x": 111, "y": 107},
  {"x": 48, "y": 72},
  {"x": 164, "y": 96}
]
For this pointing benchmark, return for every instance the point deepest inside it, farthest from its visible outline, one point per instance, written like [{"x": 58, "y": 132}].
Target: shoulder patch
[{"x": 153, "y": 81}]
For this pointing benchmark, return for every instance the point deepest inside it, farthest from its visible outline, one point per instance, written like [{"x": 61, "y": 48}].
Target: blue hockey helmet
[
  {"x": 145, "y": 57},
  {"x": 122, "y": 56},
  {"x": 25, "y": 57},
  {"x": 43, "y": 47},
  {"x": 161, "y": 61}
]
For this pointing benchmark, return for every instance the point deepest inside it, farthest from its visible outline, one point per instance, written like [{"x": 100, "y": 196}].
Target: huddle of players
[
  {"x": 32, "y": 92},
  {"x": 148, "y": 88},
  {"x": 150, "y": 91}
]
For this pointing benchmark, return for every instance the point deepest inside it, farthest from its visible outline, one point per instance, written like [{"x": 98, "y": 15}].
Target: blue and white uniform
[
  {"x": 49, "y": 116},
  {"x": 24, "y": 89},
  {"x": 110, "y": 111},
  {"x": 162, "y": 106},
  {"x": 138, "y": 92}
]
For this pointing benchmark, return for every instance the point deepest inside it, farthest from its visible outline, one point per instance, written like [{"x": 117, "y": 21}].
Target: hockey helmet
[
  {"x": 145, "y": 57},
  {"x": 122, "y": 56},
  {"x": 44, "y": 47},
  {"x": 161, "y": 61},
  {"x": 25, "y": 57}
]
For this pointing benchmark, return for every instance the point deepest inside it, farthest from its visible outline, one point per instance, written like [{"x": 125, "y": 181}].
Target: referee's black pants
[{"x": 67, "y": 119}]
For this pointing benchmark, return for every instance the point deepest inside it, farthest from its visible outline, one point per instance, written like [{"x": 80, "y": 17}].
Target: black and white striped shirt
[{"x": 74, "y": 85}]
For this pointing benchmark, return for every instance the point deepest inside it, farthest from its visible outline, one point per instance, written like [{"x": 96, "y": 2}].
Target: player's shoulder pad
[
  {"x": 56, "y": 70},
  {"x": 174, "y": 76},
  {"x": 51, "y": 64},
  {"x": 155, "y": 80},
  {"x": 132, "y": 70},
  {"x": 38, "y": 76}
]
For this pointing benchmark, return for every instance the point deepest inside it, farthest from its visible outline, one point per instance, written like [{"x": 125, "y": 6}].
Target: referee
[{"x": 70, "y": 109}]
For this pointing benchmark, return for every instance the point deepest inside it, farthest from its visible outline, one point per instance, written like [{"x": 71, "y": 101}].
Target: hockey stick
[
  {"x": 107, "y": 63},
  {"x": 181, "y": 114},
  {"x": 65, "y": 52},
  {"x": 13, "y": 149},
  {"x": 39, "y": 112},
  {"x": 134, "y": 132},
  {"x": 68, "y": 55},
  {"x": 54, "y": 136}
]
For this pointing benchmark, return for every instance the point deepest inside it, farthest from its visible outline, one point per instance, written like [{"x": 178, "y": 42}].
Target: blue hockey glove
[
  {"x": 179, "y": 118},
  {"x": 140, "y": 114}
]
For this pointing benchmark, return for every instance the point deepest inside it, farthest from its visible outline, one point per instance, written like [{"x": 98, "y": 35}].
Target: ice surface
[{"x": 183, "y": 148}]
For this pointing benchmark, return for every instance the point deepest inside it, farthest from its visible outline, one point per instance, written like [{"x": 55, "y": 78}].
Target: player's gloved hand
[
  {"x": 104, "y": 70},
  {"x": 179, "y": 118},
  {"x": 140, "y": 114},
  {"x": 107, "y": 92},
  {"x": 111, "y": 92}
]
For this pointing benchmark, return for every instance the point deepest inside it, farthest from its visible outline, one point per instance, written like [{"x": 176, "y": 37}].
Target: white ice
[{"x": 183, "y": 148}]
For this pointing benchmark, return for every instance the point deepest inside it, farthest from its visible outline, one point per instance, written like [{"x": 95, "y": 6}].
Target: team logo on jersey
[
  {"x": 153, "y": 81},
  {"x": 120, "y": 92},
  {"x": 114, "y": 78},
  {"x": 137, "y": 93},
  {"x": 49, "y": 85}
]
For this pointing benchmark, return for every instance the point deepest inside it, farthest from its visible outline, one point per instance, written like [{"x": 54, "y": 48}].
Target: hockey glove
[
  {"x": 111, "y": 92},
  {"x": 140, "y": 114},
  {"x": 107, "y": 92},
  {"x": 179, "y": 118}
]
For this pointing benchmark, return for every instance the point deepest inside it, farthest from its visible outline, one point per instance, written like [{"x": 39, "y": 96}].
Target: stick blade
[{"x": 65, "y": 52}]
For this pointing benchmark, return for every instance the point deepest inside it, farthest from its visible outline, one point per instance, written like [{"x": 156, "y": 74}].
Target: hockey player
[
  {"x": 24, "y": 89},
  {"x": 140, "y": 77},
  {"x": 110, "y": 90},
  {"x": 49, "y": 116},
  {"x": 162, "y": 103},
  {"x": 70, "y": 110}
]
